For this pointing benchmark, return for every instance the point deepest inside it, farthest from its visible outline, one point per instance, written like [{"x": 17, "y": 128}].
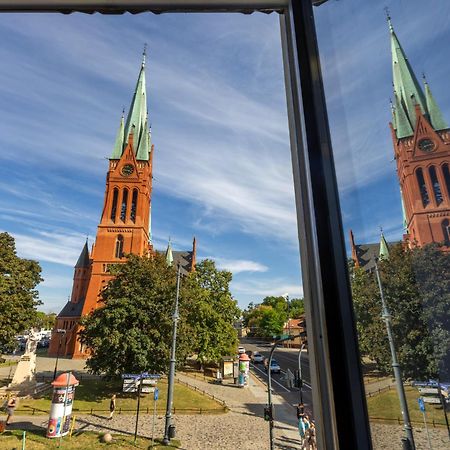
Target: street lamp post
[
  {"x": 395, "y": 365},
  {"x": 175, "y": 317},
  {"x": 300, "y": 372},
  {"x": 286, "y": 297},
  {"x": 61, "y": 332}
]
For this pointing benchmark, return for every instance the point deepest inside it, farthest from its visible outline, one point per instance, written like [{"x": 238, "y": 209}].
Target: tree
[
  {"x": 268, "y": 318},
  {"x": 213, "y": 312},
  {"x": 132, "y": 332},
  {"x": 19, "y": 297},
  {"x": 43, "y": 320},
  {"x": 416, "y": 287}
]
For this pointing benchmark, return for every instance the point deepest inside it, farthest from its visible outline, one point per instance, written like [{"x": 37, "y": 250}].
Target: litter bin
[{"x": 171, "y": 431}]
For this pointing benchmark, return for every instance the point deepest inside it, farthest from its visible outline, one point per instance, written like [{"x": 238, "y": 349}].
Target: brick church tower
[
  {"x": 421, "y": 139},
  {"x": 124, "y": 225}
]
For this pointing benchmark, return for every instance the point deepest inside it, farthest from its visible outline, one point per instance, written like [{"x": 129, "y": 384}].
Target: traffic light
[
  {"x": 298, "y": 382},
  {"x": 268, "y": 413},
  {"x": 300, "y": 411}
]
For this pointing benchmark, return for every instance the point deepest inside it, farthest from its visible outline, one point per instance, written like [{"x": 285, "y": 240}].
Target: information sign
[{"x": 421, "y": 404}]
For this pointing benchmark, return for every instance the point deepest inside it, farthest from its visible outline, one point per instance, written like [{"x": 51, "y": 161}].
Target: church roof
[
  {"x": 185, "y": 260},
  {"x": 72, "y": 309},
  {"x": 136, "y": 123},
  {"x": 83, "y": 260}
]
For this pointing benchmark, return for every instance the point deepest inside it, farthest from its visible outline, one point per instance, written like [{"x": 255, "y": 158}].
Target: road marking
[{"x": 275, "y": 381}]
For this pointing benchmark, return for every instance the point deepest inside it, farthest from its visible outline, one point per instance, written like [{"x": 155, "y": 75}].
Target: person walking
[
  {"x": 311, "y": 438},
  {"x": 10, "y": 408},
  {"x": 112, "y": 406}
]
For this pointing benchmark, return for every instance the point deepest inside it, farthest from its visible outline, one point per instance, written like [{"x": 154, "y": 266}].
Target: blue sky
[{"x": 217, "y": 107}]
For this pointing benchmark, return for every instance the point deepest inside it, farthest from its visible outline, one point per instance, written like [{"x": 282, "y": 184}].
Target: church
[
  {"x": 124, "y": 226},
  {"x": 421, "y": 141}
]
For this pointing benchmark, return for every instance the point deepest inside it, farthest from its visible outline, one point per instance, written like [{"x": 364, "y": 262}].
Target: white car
[
  {"x": 274, "y": 366},
  {"x": 257, "y": 358},
  {"x": 241, "y": 350}
]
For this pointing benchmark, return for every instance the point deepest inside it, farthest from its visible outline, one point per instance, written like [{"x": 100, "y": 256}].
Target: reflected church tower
[{"x": 421, "y": 139}]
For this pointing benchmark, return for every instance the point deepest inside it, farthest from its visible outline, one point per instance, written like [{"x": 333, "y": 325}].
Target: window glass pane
[
  {"x": 208, "y": 148},
  {"x": 385, "y": 74}
]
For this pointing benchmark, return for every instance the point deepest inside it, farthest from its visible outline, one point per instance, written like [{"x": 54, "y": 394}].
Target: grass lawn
[
  {"x": 96, "y": 394},
  {"x": 36, "y": 440},
  {"x": 386, "y": 406}
]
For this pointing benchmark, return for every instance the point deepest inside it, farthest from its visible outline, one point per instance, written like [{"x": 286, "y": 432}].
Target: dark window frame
[{"x": 338, "y": 394}]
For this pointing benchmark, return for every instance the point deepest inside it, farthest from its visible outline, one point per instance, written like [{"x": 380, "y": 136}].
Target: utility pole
[
  {"x": 175, "y": 317},
  {"x": 385, "y": 314}
]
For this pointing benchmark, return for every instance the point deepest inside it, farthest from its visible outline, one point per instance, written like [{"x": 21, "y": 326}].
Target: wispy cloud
[{"x": 236, "y": 266}]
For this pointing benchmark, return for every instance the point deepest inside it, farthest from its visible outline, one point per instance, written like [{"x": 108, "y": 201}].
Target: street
[{"x": 287, "y": 359}]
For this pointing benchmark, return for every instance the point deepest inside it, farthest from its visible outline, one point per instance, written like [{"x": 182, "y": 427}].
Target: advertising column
[{"x": 61, "y": 409}]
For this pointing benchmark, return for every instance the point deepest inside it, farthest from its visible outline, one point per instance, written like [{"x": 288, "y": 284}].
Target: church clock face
[
  {"x": 426, "y": 145},
  {"x": 127, "y": 170}
]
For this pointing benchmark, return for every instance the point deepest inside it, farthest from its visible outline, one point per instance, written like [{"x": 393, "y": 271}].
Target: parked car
[
  {"x": 274, "y": 366},
  {"x": 241, "y": 350},
  {"x": 257, "y": 358}
]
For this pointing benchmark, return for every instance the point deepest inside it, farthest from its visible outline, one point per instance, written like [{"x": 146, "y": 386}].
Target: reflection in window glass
[{"x": 385, "y": 74}]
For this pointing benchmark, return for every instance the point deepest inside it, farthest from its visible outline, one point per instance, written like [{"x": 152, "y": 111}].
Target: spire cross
[
  {"x": 144, "y": 54},
  {"x": 388, "y": 18}
]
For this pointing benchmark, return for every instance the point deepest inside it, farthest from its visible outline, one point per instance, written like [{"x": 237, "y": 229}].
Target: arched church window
[
  {"x": 123, "y": 208},
  {"x": 119, "y": 247},
  {"x": 114, "y": 204},
  {"x": 446, "y": 172},
  {"x": 422, "y": 188},
  {"x": 436, "y": 187},
  {"x": 446, "y": 231},
  {"x": 133, "y": 205}
]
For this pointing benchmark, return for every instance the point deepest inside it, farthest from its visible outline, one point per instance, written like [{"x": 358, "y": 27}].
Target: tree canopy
[
  {"x": 19, "y": 297},
  {"x": 268, "y": 317},
  {"x": 132, "y": 332},
  {"x": 416, "y": 284}
]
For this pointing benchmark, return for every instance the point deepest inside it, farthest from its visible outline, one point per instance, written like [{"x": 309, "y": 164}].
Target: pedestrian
[
  {"x": 311, "y": 439},
  {"x": 303, "y": 426},
  {"x": 112, "y": 406},
  {"x": 10, "y": 408}
]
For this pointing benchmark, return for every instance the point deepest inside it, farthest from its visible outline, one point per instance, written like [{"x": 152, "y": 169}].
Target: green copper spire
[
  {"x": 405, "y": 82},
  {"x": 169, "y": 256},
  {"x": 136, "y": 122},
  {"x": 405, "y": 221},
  {"x": 394, "y": 115},
  {"x": 144, "y": 144},
  {"x": 118, "y": 146},
  {"x": 403, "y": 125},
  {"x": 436, "y": 118},
  {"x": 384, "y": 248}
]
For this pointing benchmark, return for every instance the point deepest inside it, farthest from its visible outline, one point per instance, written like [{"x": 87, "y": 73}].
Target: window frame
[{"x": 338, "y": 393}]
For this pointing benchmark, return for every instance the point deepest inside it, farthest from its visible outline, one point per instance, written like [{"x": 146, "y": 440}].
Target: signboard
[
  {"x": 129, "y": 385},
  {"x": 434, "y": 400},
  {"x": 143, "y": 375},
  {"x": 148, "y": 386},
  {"x": 156, "y": 394},
  {"x": 425, "y": 390},
  {"x": 421, "y": 404}
]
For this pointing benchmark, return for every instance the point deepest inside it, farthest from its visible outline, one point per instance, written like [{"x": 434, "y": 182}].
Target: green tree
[
  {"x": 19, "y": 297},
  {"x": 212, "y": 312},
  {"x": 416, "y": 288},
  {"x": 44, "y": 320},
  {"x": 132, "y": 332}
]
